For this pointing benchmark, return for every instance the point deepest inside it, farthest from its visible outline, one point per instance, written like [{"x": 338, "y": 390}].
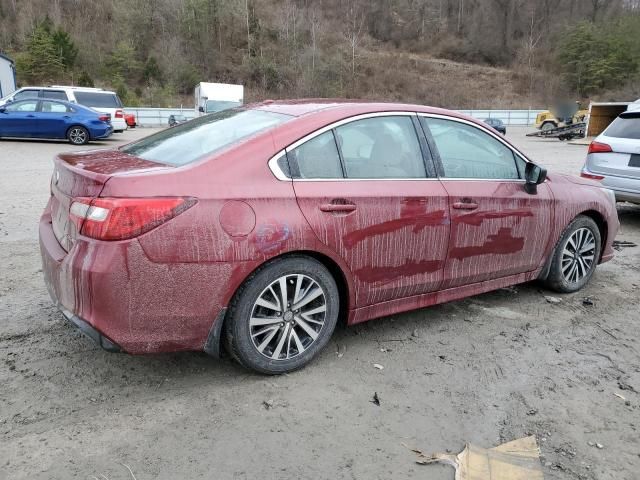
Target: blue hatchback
[{"x": 40, "y": 118}]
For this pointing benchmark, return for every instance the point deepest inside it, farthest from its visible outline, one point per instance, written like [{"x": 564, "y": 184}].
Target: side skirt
[{"x": 391, "y": 307}]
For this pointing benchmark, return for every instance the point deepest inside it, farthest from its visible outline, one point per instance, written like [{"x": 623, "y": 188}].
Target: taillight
[
  {"x": 598, "y": 147},
  {"x": 104, "y": 118},
  {"x": 591, "y": 176},
  {"x": 119, "y": 114},
  {"x": 122, "y": 218}
]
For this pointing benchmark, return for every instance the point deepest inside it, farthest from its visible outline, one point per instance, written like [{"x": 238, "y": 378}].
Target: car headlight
[{"x": 610, "y": 194}]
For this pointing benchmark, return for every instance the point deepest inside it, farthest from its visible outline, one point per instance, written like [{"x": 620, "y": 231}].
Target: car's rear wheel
[
  {"x": 576, "y": 256},
  {"x": 78, "y": 135},
  {"x": 283, "y": 315}
]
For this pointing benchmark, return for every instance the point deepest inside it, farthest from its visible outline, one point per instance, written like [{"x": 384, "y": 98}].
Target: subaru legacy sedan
[{"x": 256, "y": 229}]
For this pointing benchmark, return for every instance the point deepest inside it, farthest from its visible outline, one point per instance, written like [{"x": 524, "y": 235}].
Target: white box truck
[{"x": 214, "y": 97}]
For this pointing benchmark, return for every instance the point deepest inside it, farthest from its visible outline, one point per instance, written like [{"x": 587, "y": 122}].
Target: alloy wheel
[
  {"x": 578, "y": 256},
  {"x": 77, "y": 136},
  {"x": 288, "y": 316}
]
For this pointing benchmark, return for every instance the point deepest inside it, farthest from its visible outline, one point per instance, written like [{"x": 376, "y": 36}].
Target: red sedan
[{"x": 259, "y": 227}]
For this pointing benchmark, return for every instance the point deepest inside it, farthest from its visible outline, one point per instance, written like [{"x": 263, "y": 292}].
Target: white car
[
  {"x": 614, "y": 157},
  {"x": 98, "y": 99}
]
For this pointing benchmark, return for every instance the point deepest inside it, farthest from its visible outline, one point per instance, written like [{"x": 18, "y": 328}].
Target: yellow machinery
[{"x": 562, "y": 115}]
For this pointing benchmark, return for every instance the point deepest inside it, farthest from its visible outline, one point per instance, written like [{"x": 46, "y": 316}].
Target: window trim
[
  {"x": 427, "y": 155},
  {"x": 436, "y": 153}
]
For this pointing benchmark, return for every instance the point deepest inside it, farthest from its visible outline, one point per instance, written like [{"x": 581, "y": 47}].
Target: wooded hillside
[{"x": 453, "y": 53}]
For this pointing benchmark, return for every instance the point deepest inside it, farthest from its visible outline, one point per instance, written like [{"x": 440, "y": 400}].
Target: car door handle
[
  {"x": 31, "y": 116},
  {"x": 338, "y": 207},
  {"x": 465, "y": 205}
]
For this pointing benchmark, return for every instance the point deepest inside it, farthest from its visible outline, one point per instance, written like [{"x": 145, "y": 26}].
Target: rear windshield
[
  {"x": 98, "y": 100},
  {"x": 191, "y": 141},
  {"x": 625, "y": 126}
]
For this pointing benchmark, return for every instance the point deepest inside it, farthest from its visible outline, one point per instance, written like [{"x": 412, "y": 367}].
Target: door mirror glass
[{"x": 534, "y": 175}]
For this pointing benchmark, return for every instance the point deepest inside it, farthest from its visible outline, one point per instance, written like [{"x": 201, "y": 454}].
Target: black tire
[
  {"x": 78, "y": 135},
  {"x": 557, "y": 280},
  {"x": 118, "y": 131},
  {"x": 546, "y": 126},
  {"x": 238, "y": 331}
]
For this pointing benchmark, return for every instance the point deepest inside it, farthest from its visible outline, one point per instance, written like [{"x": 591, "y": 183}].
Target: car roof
[{"x": 342, "y": 107}]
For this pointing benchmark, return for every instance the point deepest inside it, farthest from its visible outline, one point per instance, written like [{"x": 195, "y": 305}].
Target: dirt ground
[{"x": 487, "y": 369}]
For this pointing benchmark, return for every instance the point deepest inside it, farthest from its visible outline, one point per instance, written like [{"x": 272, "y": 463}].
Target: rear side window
[
  {"x": 469, "y": 152},
  {"x": 381, "y": 147},
  {"x": 98, "y": 99},
  {"x": 625, "y": 126},
  {"x": 54, "y": 94},
  {"x": 316, "y": 158},
  {"x": 188, "y": 142},
  {"x": 53, "y": 107}
]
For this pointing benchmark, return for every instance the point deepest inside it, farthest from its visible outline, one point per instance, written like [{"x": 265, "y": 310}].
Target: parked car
[
  {"x": 130, "y": 118},
  {"x": 52, "y": 119},
  {"x": 613, "y": 157},
  {"x": 264, "y": 224},
  {"x": 176, "y": 120},
  {"x": 95, "y": 98},
  {"x": 497, "y": 124}
]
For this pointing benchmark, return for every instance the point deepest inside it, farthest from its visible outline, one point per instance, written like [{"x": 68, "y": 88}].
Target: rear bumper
[
  {"x": 89, "y": 331},
  {"x": 118, "y": 124},
  {"x": 626, "y": 189},
  {"x": 125, "y": 302},
  {"x": 99, "y": 134}
]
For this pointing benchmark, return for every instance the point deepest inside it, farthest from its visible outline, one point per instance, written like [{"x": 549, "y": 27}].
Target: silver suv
[{"x": 614, "y": 157}]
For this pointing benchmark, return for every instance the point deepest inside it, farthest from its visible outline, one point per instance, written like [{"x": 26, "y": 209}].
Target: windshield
[
  {"x": 626, "y": 125},
  {"x": 192, "y": 140},
  {"x": 218, "y": 105},
  {"x": 98, "y": 100}
]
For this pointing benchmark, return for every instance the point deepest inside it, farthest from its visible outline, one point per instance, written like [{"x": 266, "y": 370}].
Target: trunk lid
[
  {"x": 85, "y": 175},
  {"x": 622, "y": 161}
]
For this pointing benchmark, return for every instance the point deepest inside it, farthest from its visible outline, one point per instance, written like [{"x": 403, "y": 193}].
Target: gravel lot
[{"x": 488, "y": 369}]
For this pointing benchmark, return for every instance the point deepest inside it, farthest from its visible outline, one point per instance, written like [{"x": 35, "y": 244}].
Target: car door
[
  {"x": 19, "y": 119},
  {"x": 369, "y": 192},
  {"x": 497, "y": 228},
  {"x": 53, "y": 119}
]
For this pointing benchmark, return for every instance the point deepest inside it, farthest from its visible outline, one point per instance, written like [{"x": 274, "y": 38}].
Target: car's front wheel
[
  {"x": 283, "y": 315},
  {"x": 576, "y": 256},
  {"x": 78, "y": 135}
]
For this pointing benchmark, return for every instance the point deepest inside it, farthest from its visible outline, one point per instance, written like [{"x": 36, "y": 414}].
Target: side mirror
[
  {"x": 201, "y": 109},
  {"x": 534, "y": 175},
  {"x": 3, "y": 109}
]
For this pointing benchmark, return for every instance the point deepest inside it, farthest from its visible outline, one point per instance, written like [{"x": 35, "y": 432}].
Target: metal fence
[
  {"x": 157, "y": 117},
  {"x": 508, "y": 117}
]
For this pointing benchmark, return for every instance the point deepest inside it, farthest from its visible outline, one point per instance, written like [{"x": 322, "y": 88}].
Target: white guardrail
[{"x": 159, "y": 117}]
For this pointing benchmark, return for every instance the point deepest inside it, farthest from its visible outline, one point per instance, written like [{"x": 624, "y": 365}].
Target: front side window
[
  {"x": 469, "y": 152},
  {"x": 54, "y": 94},
  {"x": 190, "y": 141},
  {"x": 26, "y": 106},
  {"x": 53, "y": 107},
  {"x": 21, "y": 95},
  {"x": 381, "y": 147},
  {"x": 316, "y": 158}
]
